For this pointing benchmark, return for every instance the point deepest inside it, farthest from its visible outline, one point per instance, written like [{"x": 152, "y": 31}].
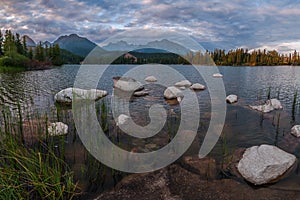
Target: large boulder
[
  {"x": 197, "y": 86},
  {"x": 184, "y": 83},
  {"x": 231, "y": 99},
  {"x": 173, "y": 93},
  {"x": 150, "y": 79},
  {"x": 295, "y": 131},
  {"x": 264, "y": 164},
  {"x": 57, "y": 129},
  {"x": 66, "y": 96},
  {"x": 122, "y": 120},
  {"x": 127, "y": 84},
  {"x": 270, "y": 105}
]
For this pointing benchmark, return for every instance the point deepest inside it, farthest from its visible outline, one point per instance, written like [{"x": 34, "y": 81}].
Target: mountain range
[{"x": 82, "y": 46}]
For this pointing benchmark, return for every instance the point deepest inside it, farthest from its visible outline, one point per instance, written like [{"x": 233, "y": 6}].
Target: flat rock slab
[
  {"x": 66, "y": 96},
  {"x": 264, "y": 164}
]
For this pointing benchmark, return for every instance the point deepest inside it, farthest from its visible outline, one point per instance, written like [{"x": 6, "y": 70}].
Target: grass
[
  {"x": 11, "y": 69},
  {"x": 28, "y": 171}
]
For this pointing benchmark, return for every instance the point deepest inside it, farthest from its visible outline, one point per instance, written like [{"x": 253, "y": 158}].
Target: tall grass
[{"x": 28, "y": 171}]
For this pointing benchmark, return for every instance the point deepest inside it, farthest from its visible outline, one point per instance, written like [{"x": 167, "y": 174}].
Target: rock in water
[
  {"x": 197, "y": 86},
  {"x": 57, "y": 129},
  {"x": 140, "y": 93},
  {"x": 231, "y": 99},
  {"x": 173, "y": 93},
  {"x": 66, "y": 95},
  {"x": 122, "y": 119},
  {"x": 184, "y": 83},
  {"x": 150, "y": 79},
  {"x": 217, "y": 75},
  {"x": 296, "y": 130},
  {"x": 264, "y": 164},
  {"x": 270, "y": 105},
  {"x": 127, "y": 84}
]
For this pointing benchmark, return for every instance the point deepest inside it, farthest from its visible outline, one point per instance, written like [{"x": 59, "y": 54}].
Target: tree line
[{"x": 14, "y": 52}]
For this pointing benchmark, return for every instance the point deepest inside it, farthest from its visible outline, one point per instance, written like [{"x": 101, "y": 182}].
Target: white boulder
[
  {"x": 127, "y": 84},
  {"x": 217, "y": 75},
  {"x": 173, "y": 93},
  {"x": 57, "y": 129},
  {"x": 296, "y": 130},
  {"x": 264, "y": 164},
  {"x": 198, "y": 86},
  {"x": 184, "y": 83},
  {"x": 122, "y": 119},
  {"x": 270, "y": 105},
  {"x": 150, "y": 79},
  {"x": 231, "y": 99},
  {"x": 66, "y": 95}
]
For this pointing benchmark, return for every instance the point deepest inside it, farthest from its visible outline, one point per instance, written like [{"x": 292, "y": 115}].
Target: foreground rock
[
  {"x": 231, "y": 99},
  {"x": 295, "y": 131},
  {"x": 264, "y": 164},
  {"x": 150, "y": 79},
  {"x": 127, "y": 84},
  {"x": 57, "y": 129},
  {"x": 197, "y": 86},
  {"x": 270, "y": 105},
  {"x": 173, "y": 93},
  {"x": 217, "y": 75},
  {"x": 66, "y": 96},
  {"x": 184, "y": 83},
  {"x": 175, "y": 182}
]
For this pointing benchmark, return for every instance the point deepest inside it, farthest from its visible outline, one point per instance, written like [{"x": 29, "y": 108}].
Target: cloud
[{"x": 215, "y": 23}]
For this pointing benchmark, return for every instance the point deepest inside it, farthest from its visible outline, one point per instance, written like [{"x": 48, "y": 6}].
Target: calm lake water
[{"x": 244, "y": 127}]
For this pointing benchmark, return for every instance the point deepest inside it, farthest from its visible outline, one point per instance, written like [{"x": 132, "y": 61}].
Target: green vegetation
[
  {"x": 14, "y": 52},
  {"x": 31, "y": 171}
]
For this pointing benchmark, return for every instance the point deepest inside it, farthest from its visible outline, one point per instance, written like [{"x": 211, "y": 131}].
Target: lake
[{"x": 35, "y": 91}]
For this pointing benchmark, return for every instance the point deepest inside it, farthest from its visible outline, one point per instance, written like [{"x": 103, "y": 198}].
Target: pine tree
[
  {"x": 1, "y": 43},
  {"x": 24, "y": 45}
]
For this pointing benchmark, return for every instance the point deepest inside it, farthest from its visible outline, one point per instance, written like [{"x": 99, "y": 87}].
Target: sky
[{"x": 214, "y": 24}]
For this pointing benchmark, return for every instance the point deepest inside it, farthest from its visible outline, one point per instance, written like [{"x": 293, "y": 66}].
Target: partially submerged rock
[
  {"x": 198, "y": 86},
  {"x": 150, "y": 79},
  {"x": 270, "y": 105},
  {"x": 140, "y": 93},
  {"x": 295, "y": 131},
  {"x": 264, "y": 164},
  {"x": 122, "y": 119},
  {"x": 57, "y": 129},
  {"x": 217, "y": 75},
  {"x": 127, "y": 84},
  {"x": 66, "y": 96},
  {"x": 231, "y": 99},
  {"x": 184, "y": 83},
  {"x": 173, "y": 93}
]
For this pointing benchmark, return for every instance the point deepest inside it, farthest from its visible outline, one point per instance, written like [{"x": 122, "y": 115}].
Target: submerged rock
[
  {"x": 296, "y": 130},
  {"x": 270, "y": 105},
  {"x": 217, "y": 75},
  {"x": 150, "y": 79},
  {"x": 66, "y": 95},
  {"x": 198, "y": 86},
  {"x": 264, "y": 164},
  {"x": 231, "y": 99},
  {"x": 57, "y": 129},
  {"x": 127, "y": 84},
  {"x": 173, "y": 93},
  {"x": 184, "y": 83}
]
